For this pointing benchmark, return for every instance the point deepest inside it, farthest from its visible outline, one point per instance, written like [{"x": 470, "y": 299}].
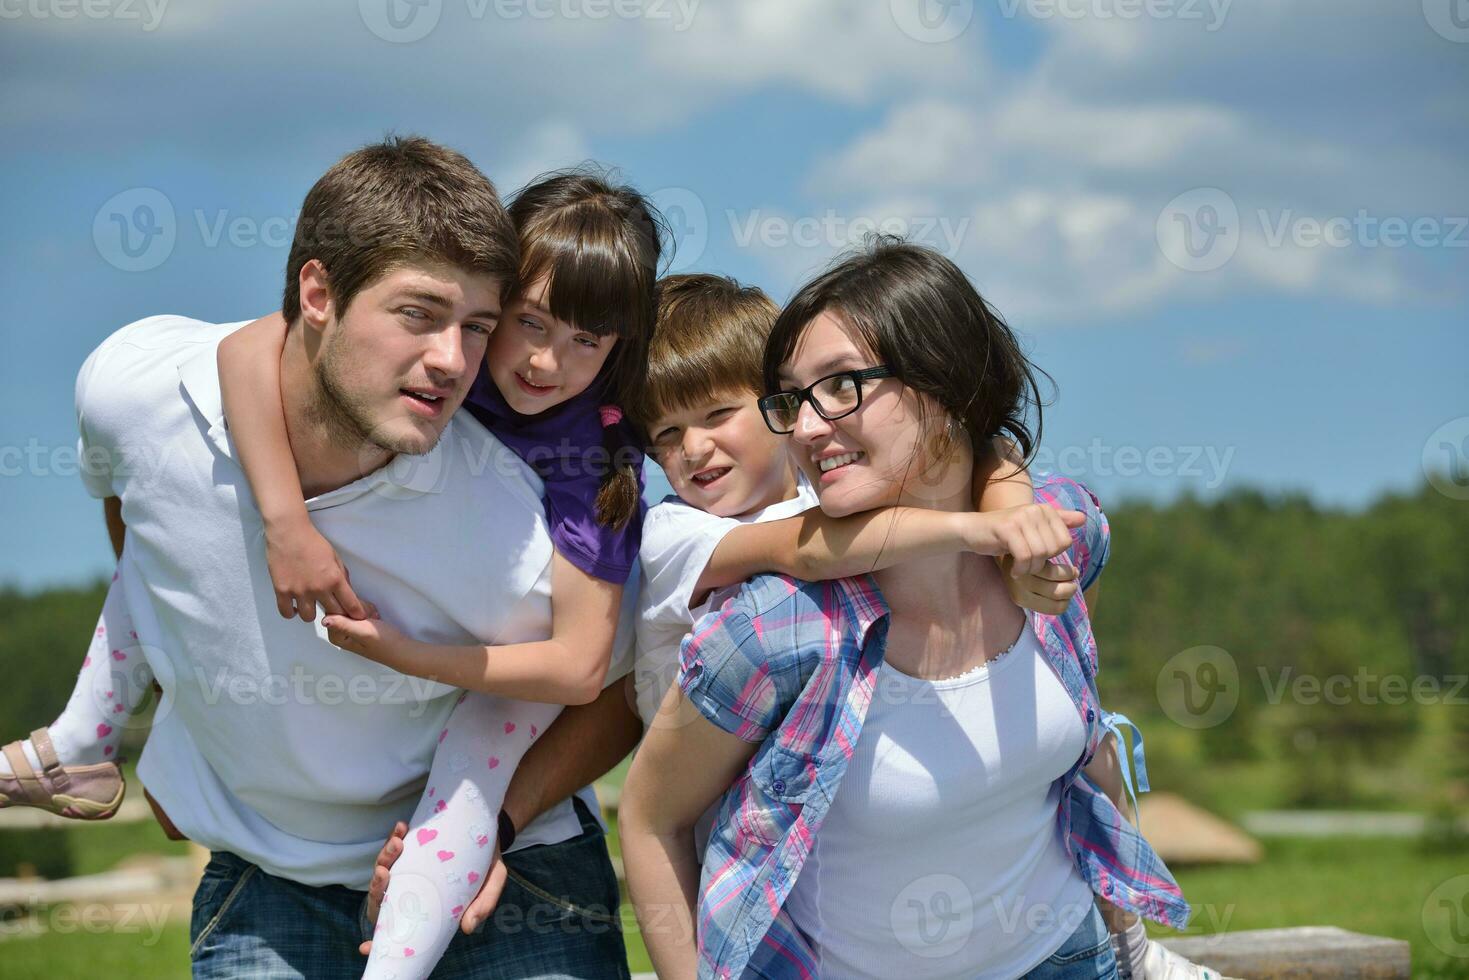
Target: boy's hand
[
  {"x": 1029, "y": 534},
  {"x": 1048, "y": 592},
  {"x": 478, "y": 909},
  {"x": 306, "y": 572},
  {"x": 372, "y": 638}
]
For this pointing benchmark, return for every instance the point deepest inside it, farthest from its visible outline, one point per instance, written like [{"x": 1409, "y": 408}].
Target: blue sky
[{"x": 1232, "y": 232}]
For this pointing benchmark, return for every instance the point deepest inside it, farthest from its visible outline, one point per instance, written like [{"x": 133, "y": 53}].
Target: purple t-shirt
[{"x": 564, "y": 446}]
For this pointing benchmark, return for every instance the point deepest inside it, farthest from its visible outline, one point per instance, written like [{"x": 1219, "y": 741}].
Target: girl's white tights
[
  {"x": 114, "y": 681},
  {"x": 451, "y": 837}
]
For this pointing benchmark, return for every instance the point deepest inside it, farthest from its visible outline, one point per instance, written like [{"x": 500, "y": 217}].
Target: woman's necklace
[{"x": 984, "y": 666}]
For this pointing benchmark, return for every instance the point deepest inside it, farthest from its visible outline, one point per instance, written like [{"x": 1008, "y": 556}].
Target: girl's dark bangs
[{"x": 587, "y": 281}]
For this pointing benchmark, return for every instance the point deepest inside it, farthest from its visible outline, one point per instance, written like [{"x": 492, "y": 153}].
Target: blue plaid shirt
[{"x": 792, "y": 665}]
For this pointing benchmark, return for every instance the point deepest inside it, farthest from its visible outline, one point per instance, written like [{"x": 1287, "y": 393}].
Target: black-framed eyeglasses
[{"x": 834, "y": 396}]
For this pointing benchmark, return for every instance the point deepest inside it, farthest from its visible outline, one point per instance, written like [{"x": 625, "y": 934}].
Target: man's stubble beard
[{"x": 342, "y": 412}]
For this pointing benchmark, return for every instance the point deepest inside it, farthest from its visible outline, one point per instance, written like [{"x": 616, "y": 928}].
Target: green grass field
[{"x": 1373, "y": 886}]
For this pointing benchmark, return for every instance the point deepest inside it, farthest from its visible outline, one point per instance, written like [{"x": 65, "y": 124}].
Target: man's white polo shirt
[{"x": 270, "y": 742}]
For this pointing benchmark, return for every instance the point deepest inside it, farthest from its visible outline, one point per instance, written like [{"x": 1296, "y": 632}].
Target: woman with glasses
[{"x": 900, "y": 759}]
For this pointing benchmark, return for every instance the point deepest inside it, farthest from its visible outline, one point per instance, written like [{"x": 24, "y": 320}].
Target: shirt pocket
[{"x": 781, "y": 783}]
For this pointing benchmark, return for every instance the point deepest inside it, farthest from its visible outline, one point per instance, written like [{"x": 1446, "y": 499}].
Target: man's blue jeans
[{"x": 558, "y": 917}]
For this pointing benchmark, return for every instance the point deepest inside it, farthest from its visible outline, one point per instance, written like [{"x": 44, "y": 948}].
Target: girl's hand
[
  {"x": 1029, "y": 534},
  {"x": 306, "y": 572},
  {"x": 372, "y": 638},
  {"x": 1048, "y": 592}
]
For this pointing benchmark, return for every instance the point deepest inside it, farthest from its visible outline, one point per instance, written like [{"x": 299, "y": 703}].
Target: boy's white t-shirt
[{"x": 678, "y": 541}]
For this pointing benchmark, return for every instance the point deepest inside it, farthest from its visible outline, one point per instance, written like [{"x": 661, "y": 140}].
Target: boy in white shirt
[{"x": 741, "y": 508}]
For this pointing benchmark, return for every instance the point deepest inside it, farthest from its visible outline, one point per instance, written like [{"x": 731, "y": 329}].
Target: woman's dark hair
[
  {"x": 919, "y": 314},
  {"x": 597, "y": 243}
]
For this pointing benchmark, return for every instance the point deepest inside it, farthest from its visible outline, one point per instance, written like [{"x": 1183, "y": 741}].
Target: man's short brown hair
[
  {"x": 709, "y": 339},
  {"x": 404, "y": 200}
]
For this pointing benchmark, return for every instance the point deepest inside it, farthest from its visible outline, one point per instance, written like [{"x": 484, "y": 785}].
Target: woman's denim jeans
[{"x": 1087, "y": 955}]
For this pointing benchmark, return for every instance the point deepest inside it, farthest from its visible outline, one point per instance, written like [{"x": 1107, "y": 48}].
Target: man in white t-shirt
[{"x": 286, "y": 756}]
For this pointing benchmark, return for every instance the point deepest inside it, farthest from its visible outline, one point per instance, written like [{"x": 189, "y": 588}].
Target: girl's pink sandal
[{"x": 82, "y": 792}]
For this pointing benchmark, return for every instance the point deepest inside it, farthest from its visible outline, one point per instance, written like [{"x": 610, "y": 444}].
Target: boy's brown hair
[
  {"x": 709, "y": 339},
  {"x": 403, "y": 200}
]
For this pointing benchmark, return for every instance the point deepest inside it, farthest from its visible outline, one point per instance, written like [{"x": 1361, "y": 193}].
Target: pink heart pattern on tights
[{"x": 425, "y": 835}]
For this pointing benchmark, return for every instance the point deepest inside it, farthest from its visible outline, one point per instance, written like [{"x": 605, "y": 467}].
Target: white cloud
[
  {"x": 551, "y": 144},
  {"x": 924, "y": 144},
  {"x": 1067, "y": 169},
  {"x": 843, "y": 50},
  {"x": 1051, "y": 175},
  {"x": 513, "y": 60}
]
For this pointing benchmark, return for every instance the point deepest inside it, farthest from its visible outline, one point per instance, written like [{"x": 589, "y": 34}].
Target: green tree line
[{"x": 1364, "y": 605}]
